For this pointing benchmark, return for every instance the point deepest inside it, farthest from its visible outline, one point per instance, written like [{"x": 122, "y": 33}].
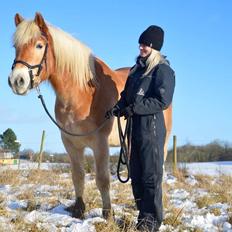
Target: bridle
[{"x": 31, "y": 67}]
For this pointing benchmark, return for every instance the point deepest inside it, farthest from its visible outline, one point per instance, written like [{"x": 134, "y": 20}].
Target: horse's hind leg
[
  {"x": 78, "y": 177},
  {"x": 101, "y": 154}
]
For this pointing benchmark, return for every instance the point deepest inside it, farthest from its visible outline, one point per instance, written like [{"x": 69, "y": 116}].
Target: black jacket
[
  {"x": 148, "y": 95},
  {"x": 151, "y": 93}
]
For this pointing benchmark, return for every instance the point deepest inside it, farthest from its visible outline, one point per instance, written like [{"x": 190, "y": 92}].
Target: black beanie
[{"x": 153, "y": 37}]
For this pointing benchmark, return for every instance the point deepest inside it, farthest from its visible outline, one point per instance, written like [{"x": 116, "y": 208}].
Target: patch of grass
[
  {"x": 37, "y": 176},
  {"x": 215, "y": 211},
  {"x": 229, "y": 210},
  {"x": 122, "y": 194},
  {"x": 180, "y": 174},
  {"x": 166, "y": 200},
  {"x": 173, "y": 217},
  {"x": 124, "y": 224},
  {"x": 92, "y": 197},
  {"x": 33, "y": 228},
  {"x": 32, "y": 205},
  {"x": 214, "y": 187},
  {"x": 20, "y": 225},
  {"x": 11, "y": 177},
  {"x": 204, "y": 181},
  {"x": 204, "y": 201},
  {"x": 189, "y": 229},
  {"x": 2, "y": 198},
  {"x": 106, "y": 227},
  {"x": 26, "y": 195},
  {"x": 4, "y": 212},
  {"x": 61, "y": 168}
]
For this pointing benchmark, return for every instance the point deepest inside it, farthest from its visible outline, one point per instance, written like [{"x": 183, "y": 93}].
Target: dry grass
[
  {"x": 121, "y": 195},
  {"x": 26, "y": 195},
  {"x": 19, "y": 226},
  {"x": 2, "y": 198},
  {"x": 180, "y": 174},
  {"x": 219, "y": 190},
  {"x": 43, "y": 177},
  {"x": 173, "y": 217},
  {"x": 92, "y": 197},
  {"x": 3, "y": 211},
  {"x": 215, "y": 211},
  {"x": 11, "y": 177},
  {"x": 205, "y": 201},
  {"x": 124, "y": 224}
]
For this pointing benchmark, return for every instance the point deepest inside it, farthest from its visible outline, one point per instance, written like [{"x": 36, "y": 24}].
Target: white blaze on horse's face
[
  {"x": 25, "y": 74},
  {"x": 19, "y": 80}
]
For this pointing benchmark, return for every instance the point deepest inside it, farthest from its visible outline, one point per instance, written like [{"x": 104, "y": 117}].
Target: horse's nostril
[{"x": 19, "y": 82}]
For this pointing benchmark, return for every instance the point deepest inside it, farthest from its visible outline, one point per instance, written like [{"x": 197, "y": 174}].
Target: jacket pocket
[{"x": 148, "y": 123}]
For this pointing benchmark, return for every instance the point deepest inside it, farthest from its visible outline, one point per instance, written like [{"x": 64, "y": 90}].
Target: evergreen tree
[{"x": 8, "y": 141}]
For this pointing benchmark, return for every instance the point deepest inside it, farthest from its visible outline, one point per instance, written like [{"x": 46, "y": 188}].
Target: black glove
[
  {"x": 113, "y": 112},
  {"x": 127, "y": 111}
]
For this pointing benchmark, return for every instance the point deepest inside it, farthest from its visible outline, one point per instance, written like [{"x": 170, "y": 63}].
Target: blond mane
[{"x": 70, "y": 54}]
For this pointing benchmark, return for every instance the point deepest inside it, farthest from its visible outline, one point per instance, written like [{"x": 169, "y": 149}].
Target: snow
[
  {"x": 209, "y": 168},
  {"x": 58, "y": 219}
]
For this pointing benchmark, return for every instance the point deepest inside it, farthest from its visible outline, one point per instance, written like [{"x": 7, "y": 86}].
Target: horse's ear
[
  {"x": 18, "y": 19},
  {"x": 39, "y": 20}
]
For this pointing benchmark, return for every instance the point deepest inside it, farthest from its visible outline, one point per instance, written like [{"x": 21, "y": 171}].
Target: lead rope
[
  {"x": 125, "y": 148},
  {"x": 40, "y": 96}
]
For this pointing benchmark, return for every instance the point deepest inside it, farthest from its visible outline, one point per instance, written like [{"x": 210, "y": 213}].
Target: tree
[{"x": 8, "y": 141}]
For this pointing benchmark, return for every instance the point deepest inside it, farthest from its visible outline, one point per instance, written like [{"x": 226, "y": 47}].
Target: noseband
[{"x": 31, "y": 67}]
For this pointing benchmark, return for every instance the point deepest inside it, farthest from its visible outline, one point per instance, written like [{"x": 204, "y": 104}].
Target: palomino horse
[{"x": 85, "y": 89}]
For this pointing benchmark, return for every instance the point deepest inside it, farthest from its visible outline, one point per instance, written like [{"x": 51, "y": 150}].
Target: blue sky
[{"x": 198, "y": 43}]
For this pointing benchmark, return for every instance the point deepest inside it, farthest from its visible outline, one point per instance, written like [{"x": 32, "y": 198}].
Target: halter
[{"x": 31, "y": 67}]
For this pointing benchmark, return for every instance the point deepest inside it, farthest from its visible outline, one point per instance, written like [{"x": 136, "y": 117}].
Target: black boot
[{"x": 147, "y": 223}]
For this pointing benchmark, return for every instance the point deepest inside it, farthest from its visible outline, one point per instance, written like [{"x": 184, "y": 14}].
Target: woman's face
[{"x": 144, "y": 50}]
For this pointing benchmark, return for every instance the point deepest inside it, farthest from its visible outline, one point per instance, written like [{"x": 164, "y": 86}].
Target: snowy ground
[
  {"x": 53, "y": 217},
  {"x": 209, "y": 168}
]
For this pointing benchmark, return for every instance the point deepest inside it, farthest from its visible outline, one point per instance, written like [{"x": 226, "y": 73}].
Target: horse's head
[{"x": 33, "y": 61}]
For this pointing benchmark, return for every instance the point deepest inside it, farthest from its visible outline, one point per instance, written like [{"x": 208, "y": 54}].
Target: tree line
[{"x": 214, "y": 151}]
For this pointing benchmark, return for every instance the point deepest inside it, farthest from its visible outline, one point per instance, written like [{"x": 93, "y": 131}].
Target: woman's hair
[{"x": 154, "y": 58}]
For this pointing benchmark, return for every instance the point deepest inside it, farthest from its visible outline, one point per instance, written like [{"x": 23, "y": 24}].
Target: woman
[{"x": 148, "y": 91}]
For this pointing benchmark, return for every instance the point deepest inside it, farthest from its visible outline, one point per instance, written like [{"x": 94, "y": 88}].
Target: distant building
[{"x": 6, "y": 154}]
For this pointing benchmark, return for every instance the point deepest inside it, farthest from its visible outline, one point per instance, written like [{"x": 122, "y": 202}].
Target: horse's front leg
[
  {"x": 101, "y": 154},
  {"x": 78, "y": 177}
]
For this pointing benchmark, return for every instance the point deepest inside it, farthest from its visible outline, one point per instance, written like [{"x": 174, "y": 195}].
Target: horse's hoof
[
  {"x": 70, "y": 208},
  {"x": 77, "y": 213},
  {"x": 78, "y": 209},
  {"x": 108, "y": 214}
]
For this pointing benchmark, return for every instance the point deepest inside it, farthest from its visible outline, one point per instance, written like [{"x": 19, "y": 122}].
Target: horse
[{"x": 85, "y": 88}]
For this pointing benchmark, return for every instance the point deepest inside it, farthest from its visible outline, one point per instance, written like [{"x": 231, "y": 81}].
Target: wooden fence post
[
  {"x": 41, "y": 149},
  {"x": 174, "y": 153}
]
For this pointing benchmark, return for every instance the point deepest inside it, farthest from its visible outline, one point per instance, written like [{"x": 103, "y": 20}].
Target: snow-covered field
[
  {"x": 31, "y": 204},
  {"x": 209, "y": 168}
]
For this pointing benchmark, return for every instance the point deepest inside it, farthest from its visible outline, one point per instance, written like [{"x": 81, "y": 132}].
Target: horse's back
[{"x": 121, "y": 77}]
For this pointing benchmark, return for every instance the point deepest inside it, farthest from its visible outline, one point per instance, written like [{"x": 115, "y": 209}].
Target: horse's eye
[{"x": 39, "y": 46}]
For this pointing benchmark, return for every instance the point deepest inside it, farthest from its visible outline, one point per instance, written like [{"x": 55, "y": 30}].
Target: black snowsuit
[{"x": 148, "y": 96}]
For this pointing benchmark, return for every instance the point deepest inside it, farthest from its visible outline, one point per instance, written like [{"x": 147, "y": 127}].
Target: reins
[
  {"x": 125, "y": 148},
  {"x": 40, "y": 96}
]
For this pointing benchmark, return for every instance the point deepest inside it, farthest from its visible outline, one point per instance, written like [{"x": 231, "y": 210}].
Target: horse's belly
[{"x": 114, "y": 137}]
